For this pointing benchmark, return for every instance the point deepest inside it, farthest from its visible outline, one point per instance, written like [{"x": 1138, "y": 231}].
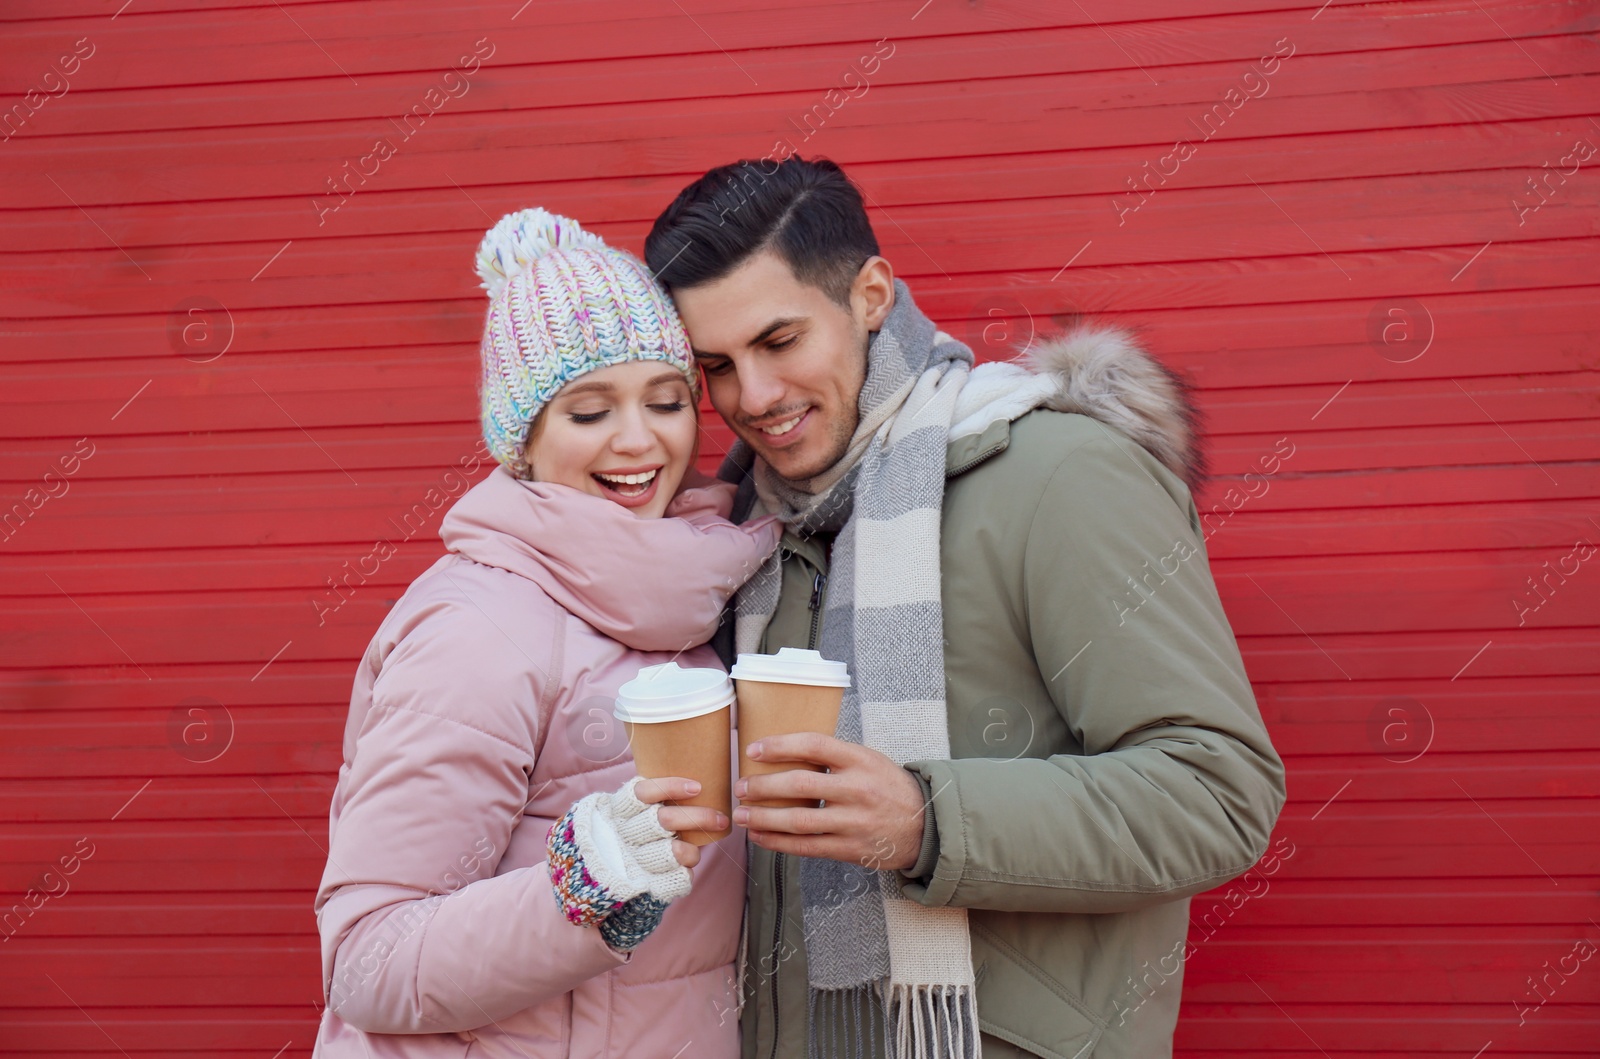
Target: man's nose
[{"x": 760, "y": 391}]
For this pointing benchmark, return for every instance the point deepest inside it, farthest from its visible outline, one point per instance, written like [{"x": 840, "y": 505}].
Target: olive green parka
[{"x": 1108, "y": 759}]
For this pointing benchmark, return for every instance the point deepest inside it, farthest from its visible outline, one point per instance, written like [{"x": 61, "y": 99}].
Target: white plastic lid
[
  {"x": 792, "y": 665},
  {"x": 668, "y": 692}
]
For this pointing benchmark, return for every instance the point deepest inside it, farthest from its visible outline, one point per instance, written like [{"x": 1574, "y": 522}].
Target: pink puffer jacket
[{"x": 481, "y": 712}]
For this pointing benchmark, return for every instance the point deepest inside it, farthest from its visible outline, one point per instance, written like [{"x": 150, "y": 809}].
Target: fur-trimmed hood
[
  {"x": 1099, "y": 371},
  {"x": 1106, "y": 375}
]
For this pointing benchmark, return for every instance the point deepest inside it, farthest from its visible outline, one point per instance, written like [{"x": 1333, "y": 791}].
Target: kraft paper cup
[
  {"x": 792, "y": 691},
  {"x": 678, "y": 725}
]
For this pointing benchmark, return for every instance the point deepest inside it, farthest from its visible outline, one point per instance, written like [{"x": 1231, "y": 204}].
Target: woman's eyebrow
[
  {"x": 606, "y": 387},
  {"x": 585, "y": 387}
]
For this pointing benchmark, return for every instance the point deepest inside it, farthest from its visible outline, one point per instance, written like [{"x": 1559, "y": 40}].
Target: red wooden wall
[{"x": 224, "y": 384}]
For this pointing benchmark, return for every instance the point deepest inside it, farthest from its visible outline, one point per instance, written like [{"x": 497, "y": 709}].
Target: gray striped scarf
[{"x": 876, "y": 958}]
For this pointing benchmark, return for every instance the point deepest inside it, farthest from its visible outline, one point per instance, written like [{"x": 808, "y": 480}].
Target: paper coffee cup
[
  {"x": 794, "y": 690},
  {"x": 678, "y": 725}
]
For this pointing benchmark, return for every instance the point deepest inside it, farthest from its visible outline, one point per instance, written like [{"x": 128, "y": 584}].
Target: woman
[{"x": 498, "y": 880}]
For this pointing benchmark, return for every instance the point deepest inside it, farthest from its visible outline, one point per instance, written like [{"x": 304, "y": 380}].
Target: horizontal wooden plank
[
  {"x": 1477, "y": 972},
  {"x": 1216, "y": 346},
  {"x": 400, "y": 505},
  {"x": 246, "y": 418},
  {"x": 1293, "y": 658},
  {"x": 1370, "y": 1030},
  {"x": 1421, "y": 908},
  {"x": 1341, "y": 220},
  {"x": 604, "y": 12},
  {"x": 153, "y": 857},
  {"x": 809, "y": 67},
  {"x": 1489, "y": 592},
  {"x": 1296, "y": 642},
  {"x": 1490, "y": 908},
  {"x": 63, "y": 1031},
  {"x": 1543, "y": 531},
  {"x": 260, "y": 44},
  {"x": 1396, "y": 664},
  {"x": 1339, "y": 740},
  {"x": 1471, "y": 836},
  {"x": 157, "y": 916},
  {"x": 622, "y": 208},
  {"x": 178, "y": 165},
  {"x": 220, "y": 979},
  {"x": 1577, "y": 1046},
  {"x": 1129, "y": 294},
  {"x": 1289, "y": 659}
]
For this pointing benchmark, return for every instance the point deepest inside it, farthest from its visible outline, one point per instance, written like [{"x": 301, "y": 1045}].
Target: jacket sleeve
[
  {"x": 1178, "y": 786},
  {"x": 419, "y": 934}
]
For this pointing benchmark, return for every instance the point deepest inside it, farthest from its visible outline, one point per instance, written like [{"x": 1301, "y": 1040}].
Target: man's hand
[{"x": 873, "y": 814}]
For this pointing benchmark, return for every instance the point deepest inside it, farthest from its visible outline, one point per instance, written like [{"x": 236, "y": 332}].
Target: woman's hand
[
  {"x": 615, "y": 859},
  {"x": 680, "y": 818}
]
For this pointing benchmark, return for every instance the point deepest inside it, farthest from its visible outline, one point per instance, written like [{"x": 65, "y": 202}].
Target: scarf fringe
[
  {"x": 845, "y": 1023},
  {"x": 933, "y": 1022},
  {"x": 918, "y": 1022}
]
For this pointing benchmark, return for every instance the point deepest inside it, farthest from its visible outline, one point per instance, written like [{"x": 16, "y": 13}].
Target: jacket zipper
[
  {"x": 817, "y": 581},
  {"x": 777, "y": 937},
  {"x": 972, "y": 462}
]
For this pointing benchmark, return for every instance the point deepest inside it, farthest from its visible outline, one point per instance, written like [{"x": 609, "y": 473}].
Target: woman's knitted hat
[{"x": 562, "y": 303}]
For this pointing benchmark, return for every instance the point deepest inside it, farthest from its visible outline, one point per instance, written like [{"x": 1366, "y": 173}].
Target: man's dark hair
[{"x": 808, "y": 212}]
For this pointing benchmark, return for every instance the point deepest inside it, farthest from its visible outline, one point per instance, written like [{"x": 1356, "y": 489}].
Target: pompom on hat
[{"x": 562, "y": 303}]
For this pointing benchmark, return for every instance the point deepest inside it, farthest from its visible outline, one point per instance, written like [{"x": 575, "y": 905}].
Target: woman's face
[{"x": 632, "y": 420}]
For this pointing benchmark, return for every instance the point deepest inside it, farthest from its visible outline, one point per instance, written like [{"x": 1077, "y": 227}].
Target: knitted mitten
[
  {"x": 610, "y": 859},
  {"x": 632, "y": 923}
]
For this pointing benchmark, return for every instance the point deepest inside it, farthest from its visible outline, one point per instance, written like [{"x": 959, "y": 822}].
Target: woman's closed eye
[{"x": 595, "y": 417}]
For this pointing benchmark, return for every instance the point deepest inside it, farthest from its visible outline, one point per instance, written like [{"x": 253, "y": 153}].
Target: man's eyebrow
[
  {"x": 765, "y": 333},
  {"x": 776, "y": 325}
]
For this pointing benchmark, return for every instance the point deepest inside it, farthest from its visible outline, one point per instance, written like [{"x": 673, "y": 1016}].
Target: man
[{"x": 1049, "y": 742}]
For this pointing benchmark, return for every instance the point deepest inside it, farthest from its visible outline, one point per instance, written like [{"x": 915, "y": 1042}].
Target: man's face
[{"x": 783, "y": 362}]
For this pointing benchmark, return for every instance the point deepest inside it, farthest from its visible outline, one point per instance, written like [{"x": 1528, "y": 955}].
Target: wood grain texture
[{"x": 184, "y": 608}]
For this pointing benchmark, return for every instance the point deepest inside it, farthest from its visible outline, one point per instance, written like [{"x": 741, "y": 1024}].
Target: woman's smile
[{"x": 632, "y": 487}]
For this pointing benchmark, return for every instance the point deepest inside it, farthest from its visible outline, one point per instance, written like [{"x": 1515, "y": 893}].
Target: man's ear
[{"x": 872, "y": 293}]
